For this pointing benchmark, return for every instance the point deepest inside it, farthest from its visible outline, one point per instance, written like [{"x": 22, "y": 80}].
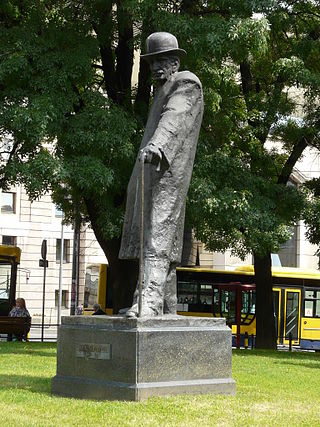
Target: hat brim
[{"x": 150, "y": 56}]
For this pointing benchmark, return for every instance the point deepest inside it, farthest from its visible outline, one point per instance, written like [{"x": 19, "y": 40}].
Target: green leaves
[
  {"x": 65, "y": 81},
  {"x": 248, "y": 36},
  {"x": 239, "y": 210},
  {"x": 238, "y": 198},
  {"x": 36, "y": 171},
  {"x": 290, "y": 70}
]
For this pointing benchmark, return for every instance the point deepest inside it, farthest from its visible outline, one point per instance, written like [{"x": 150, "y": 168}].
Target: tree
[{"x": 251, "y": 210}]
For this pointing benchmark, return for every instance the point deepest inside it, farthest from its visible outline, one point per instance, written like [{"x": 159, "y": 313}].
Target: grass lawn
[{"x": 273, "y": 389}]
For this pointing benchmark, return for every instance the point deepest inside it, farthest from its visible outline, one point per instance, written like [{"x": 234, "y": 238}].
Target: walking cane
[{"x": 141, "y": 235}]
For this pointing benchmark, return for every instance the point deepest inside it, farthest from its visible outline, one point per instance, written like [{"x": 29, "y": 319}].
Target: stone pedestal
[{"x": 114, "y": 358}]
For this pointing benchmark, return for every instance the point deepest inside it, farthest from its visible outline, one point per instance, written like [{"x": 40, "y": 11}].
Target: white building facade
[{"x": 26, "y": 224}]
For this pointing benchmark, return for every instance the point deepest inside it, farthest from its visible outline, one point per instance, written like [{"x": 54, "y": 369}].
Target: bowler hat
[{"x": 161, "y": 43}]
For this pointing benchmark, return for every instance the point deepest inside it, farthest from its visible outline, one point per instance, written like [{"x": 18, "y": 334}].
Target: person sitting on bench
[
  {"x": 97, "y": 310},
  {"x": 20, "y": 310}
]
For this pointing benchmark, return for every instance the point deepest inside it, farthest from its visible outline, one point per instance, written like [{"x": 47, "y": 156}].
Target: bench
[{"x": 14, "y": 325}]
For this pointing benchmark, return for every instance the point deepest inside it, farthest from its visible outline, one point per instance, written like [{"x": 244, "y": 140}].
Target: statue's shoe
[
  {"x": 146, "y": 311},
  {"x": 133, "y": 311}
]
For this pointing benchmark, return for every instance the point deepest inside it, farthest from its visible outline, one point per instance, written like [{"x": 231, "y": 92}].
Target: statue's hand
[{"x": 151, "y": 154}]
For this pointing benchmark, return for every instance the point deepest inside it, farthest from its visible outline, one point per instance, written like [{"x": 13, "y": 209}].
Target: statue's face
[{"x": 162, "y": 67}]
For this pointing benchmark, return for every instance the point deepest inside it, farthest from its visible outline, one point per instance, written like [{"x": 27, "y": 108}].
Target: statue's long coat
[{"x": 173, "y": 126}]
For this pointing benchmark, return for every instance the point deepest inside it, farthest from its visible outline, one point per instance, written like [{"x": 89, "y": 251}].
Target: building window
[
  {"x": 288, "y": 251},
  {"x": 65, "y": 299},
  {"x": 9, "y": 240},
  {"x": 66, "y": 250},
  {"x": 8, "y": 203},
  {"x": 58, "y": 212}
]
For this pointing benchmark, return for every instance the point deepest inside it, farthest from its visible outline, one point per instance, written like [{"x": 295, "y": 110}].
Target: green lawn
[{"x": 273, "y": 389}]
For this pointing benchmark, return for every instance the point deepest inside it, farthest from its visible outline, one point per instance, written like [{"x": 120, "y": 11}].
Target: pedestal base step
[{"x": 84, "y": 388}]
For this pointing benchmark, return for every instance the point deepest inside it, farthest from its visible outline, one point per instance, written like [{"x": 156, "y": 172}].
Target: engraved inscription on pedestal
[{"x": 94, "y": 351}]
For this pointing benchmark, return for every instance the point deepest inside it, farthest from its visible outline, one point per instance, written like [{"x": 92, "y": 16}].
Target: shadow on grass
[
  {"x": 29, "y": 348},
  {"x": 311, "y": 365},
  {"x": 25, "y": 382},
  {"x": 286, "y": 356}
]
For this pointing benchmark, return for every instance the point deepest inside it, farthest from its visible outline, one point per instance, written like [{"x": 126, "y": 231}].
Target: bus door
[
  {"x": 235, "y": 302},
  {"x": 292, "y": 316},
  {"x": 277, "y": 311},
  {"x": 9, "y": 260},
  {"x": 229, "y": 304},
  {"x": 6, "y": 299},
  {"x": 289, "y": 319}
]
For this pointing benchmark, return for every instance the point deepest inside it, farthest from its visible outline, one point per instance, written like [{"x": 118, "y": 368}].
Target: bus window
[
  {"x": 187, "y": 293},
  {"x": 206, "y": 294},
  {"x": 228, "y": 305},
  {"x": 9, "y": 260},
  {"x": 5, "y": 285},
  {"x": 312, "y": 303},
  {"x": 248, "y": 306},
  {"x": 216, "y": 305},
  {"x": 308, "y": 308},
  {"x": 5, "y": 278},
  {"x": 248, "y": 302}
]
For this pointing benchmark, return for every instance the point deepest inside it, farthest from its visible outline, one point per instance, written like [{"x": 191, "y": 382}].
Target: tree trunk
[
  {"x": 122, "y": 275},
  {"x": 265, "y": 329}
]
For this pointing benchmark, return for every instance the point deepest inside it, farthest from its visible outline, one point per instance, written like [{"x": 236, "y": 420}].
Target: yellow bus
[
  {"x": 231, "y": 294},
  {"x": 9, "y": 260}
]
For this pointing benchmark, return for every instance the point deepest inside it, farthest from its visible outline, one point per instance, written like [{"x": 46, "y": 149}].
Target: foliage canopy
[{"x": 71, "y": 116}]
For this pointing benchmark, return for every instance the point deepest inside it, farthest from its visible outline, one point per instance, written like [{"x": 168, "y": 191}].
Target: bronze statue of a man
[{"x": 168, "y": 149}]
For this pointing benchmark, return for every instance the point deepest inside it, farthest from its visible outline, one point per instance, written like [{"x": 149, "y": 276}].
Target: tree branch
[
  {"x": 271, "y": 112},
  {"x": 291, "y": 161},
  {"x": 104, "y": 30},
  {"x": 14, "y": 150},
  {"x": 124, "y": 53},
  {"x": 144, "y": 85},
  {"x": 246, "y": 78},
  {"x": 98, "y": 66}
]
